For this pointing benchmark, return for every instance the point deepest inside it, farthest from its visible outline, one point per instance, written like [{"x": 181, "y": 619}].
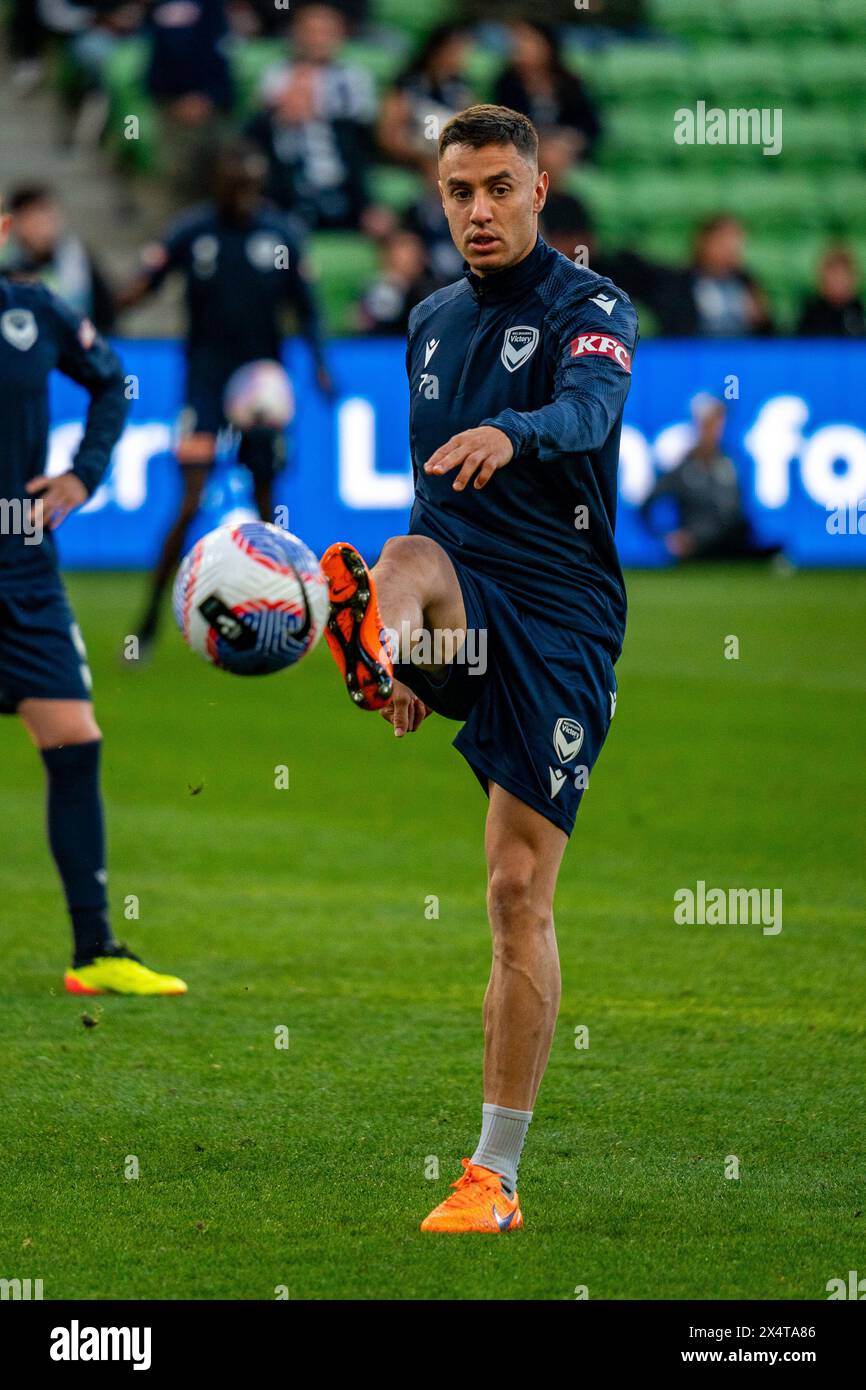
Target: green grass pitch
[{"x": 304, "y": 908}]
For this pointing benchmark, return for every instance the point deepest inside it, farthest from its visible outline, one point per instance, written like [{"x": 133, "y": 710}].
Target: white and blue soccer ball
[
  {"x": 259, "y": 395},
  {"x": 251, "y": 598}
]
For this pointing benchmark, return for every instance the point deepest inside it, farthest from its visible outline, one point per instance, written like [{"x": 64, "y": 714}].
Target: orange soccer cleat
[
  {"x": 355, "y": 633},
  {"x": 478, "y": 1203}
]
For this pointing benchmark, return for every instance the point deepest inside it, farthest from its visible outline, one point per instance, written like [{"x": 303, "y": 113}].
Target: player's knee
[
  {"x": 412, "y": 554},
  {"x": 517, "y": 902}
]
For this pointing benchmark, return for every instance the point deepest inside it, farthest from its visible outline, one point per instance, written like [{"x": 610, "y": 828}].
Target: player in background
[
  {"x": 44, "y": 677},
  {"x": 518, "y": 376},
  {"x": 242, "y": 266}
]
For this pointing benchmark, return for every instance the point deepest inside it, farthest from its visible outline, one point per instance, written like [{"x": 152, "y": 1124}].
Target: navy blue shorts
[
  {"x": 42, "y": 655},
  {"x": 535, "y": 706},
  {"x": 263, "y": 452}
]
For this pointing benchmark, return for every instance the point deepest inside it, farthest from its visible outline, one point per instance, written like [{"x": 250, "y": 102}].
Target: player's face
[
  {"x": 5, "y": 222},
  {"x": 492, "y": 199}
]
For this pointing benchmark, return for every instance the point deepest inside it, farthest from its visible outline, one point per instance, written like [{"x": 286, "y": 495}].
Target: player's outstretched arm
[{"x": 87, "y": 359}]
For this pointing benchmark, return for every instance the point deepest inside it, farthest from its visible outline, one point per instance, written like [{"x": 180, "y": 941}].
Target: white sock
[{"x": 502, "y": 1134}]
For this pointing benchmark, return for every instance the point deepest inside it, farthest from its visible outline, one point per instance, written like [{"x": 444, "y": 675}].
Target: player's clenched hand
[
  {"x": 59, "y": 496},
  {"x": 404, "y": 711},
  {"x": 480, "y": 451}
]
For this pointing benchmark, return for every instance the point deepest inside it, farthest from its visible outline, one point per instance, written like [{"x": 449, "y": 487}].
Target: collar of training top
[{"x": 503, "y": 284}]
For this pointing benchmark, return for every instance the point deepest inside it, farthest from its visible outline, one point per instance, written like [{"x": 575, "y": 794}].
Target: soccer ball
[
  {"x": 259, "y": 395},
  {"x": 251, "y": 598}
]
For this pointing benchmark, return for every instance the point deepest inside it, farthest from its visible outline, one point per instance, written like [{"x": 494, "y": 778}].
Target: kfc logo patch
[{"x": 601, "y": 346}]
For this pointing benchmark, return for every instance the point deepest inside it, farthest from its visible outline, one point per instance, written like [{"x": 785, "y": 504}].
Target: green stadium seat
[
  {"x": 818, "y": 139},
  {"x": 250, "y": 60},
  {"x": 343, "y": 264},
  {"x": 416, "y": 18},
  {"x": 842, "y": 202},
  {"x": 847, "y": 20},
  {"x": 642, "y": 73},
  {"x": 381, "y": 61},
  {"x": 774, "y": 200},
  {"x": 394, "y": 188},
  {"x": 744, "y": 75},
  {"x": 127, "y": 96},
  {"x": 831, "y": 74},
  {"x": 482, "y": 68},
  {"x": 691, "y": 19},
  {"x": 780, "y": 21}
]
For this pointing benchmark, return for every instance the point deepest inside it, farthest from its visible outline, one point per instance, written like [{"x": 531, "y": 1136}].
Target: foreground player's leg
[
  {"x": 524, "y": 852},
  {"x": 193, "y": 476},
  {"x": 68, "y": 737},
  {"x": 413, "y": 587}
]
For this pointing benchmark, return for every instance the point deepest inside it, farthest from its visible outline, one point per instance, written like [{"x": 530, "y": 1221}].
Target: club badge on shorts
[
  {"x": 518, "y": 346},
  {"x": 567, "y": 739},
  {"x": 18, "y": 327}
]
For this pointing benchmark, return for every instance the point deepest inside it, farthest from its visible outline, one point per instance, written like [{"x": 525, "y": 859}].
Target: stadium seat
[
  {"x": 344, "y": 264},
  {"x": 127, "y": 96},
  {"x": 691, "y": 19},
  {"x": 415, "y": 19},
  {"x": 831, "y": 74},
  {"x": 744, "y": 75},
  {"x": 847, "y": 20},
  {"x": 816, "y": 139},
  {"x": 482, "y": 68},
  {"x": 382, "y": 61},
  {"x": 394, "y": 188},
  {"x": 250, "y": 61},
  {"x": 642, "y": 73},
  {"x": 779, "y": 20}
]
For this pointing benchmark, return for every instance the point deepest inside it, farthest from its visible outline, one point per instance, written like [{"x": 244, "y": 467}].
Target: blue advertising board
[{"x": 796, "y": 430}]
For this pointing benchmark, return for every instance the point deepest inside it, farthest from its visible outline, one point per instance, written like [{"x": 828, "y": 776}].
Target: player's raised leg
[
  {"x": 524, "y": 852},
  {"x": 412, "y": 588},
  {"x": 69, "y": 739}
]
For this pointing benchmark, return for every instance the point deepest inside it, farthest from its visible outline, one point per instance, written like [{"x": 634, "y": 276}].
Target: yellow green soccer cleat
[{"x": 120, "y": 973}]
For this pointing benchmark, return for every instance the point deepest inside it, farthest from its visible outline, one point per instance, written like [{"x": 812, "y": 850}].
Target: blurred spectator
[
  {"x": 111, "y": 21},
  {"x": 427, "y": 219},
  {"x": 41, "y": 247},
  {"x": 836, "y": 311},
  {"x": 725, "y": 301},
  {"x": 564, "y": 218},
  {"x": 188, "y": 75},
  {"x": 428, "y": 93},
  {"x": 256, "y": 19},
  {"x": 316, "y": 164},
  {"x": 701, "y": 497},
  {"x": 714, "y": 297},
  {"x": 188, "y": 69},
  {"x": 314, "y": 128},
  {"x": 538, "y": 83},
  {"x": 402, "y": 283},
  {"x": 344, "y": 91}
]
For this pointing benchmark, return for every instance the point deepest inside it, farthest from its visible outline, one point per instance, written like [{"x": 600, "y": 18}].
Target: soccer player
[
  {"x": 241, "y": 263},
  {"x": 44, "y": 677},
  {"x": 518, "y": 374}
]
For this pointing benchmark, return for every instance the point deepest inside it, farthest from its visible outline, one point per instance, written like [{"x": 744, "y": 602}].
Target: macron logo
[
  {"x": 604, "y": 303},
  {"x": 601, "y": 346},
  {"x": 429, "y": 349}
]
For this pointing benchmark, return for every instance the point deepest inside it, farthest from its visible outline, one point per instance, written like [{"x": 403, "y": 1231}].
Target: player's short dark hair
[
  {"x": 29, "y": 195},
  {"x": 482, "y": 125}
]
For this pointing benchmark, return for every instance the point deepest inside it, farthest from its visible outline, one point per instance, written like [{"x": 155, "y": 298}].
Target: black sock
[{"x": 77, "y": 837}]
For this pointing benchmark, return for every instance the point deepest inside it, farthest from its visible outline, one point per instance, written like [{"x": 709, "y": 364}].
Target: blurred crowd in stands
[{"x": 319, "y": 122}]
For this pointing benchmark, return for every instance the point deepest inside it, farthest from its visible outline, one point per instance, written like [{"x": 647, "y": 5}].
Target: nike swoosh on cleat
[{"x": 503, "y": 1222}]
